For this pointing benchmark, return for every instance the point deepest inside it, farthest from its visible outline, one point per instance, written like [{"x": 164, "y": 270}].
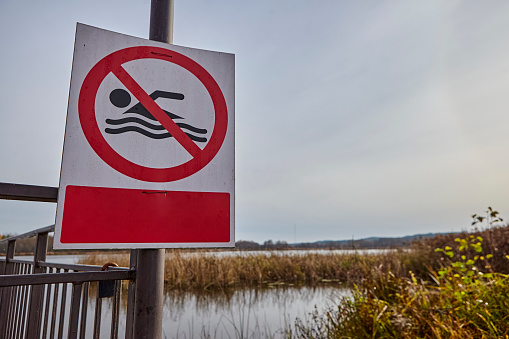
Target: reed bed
[
  {"x": 198, "y": 271},
  {"x": 195, "y": 271}
]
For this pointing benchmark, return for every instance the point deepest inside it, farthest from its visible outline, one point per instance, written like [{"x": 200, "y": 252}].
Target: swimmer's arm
[{"x": 168, "y": 95}]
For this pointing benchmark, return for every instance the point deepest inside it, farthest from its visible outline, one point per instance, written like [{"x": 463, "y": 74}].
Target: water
[
  {"x": 253, "y": 313},
  {"x": 249, "y": 313}
]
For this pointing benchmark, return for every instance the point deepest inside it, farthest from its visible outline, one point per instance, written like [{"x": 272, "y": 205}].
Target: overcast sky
[{"x": 353, "y": 118}]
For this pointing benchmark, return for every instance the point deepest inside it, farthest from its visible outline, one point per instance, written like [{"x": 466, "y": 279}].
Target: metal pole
[
  {"x": 161, "y": 21},
  {"x": 148, "y": 310}
]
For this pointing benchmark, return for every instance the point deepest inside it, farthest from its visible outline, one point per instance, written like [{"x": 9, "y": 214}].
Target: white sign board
[{"x": 149, "y": 153}]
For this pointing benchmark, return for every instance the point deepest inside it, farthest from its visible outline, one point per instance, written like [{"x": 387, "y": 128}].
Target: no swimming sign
[{"x": 148, "y": 159}]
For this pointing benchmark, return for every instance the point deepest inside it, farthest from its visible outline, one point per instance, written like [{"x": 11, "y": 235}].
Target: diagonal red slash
[{"x": 142, "y": 96}]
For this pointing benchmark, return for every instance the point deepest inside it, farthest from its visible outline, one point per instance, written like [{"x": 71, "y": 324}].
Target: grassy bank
[
  {"x": 464, "y": 295},
  {"x": 391, "y": 307}
]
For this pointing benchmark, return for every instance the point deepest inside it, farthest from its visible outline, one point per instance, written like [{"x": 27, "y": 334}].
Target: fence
[
  {"x": 40, "y": 299},
  {"x": 34, "y": 294}
]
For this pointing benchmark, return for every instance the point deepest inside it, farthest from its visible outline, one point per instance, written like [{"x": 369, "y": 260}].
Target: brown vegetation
[{"x": 197, "y": 270}]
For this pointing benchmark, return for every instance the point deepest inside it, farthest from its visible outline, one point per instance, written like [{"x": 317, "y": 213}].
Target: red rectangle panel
[{"x": 118, "y": 215}]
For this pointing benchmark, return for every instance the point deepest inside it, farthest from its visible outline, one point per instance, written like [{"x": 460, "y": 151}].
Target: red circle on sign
[{"x": 86, "y": 112}]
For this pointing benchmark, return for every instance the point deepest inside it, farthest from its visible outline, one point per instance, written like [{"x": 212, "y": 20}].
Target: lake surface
[
  {"x": 251, "y": 313},
  {"x": 245, "y": 313}
]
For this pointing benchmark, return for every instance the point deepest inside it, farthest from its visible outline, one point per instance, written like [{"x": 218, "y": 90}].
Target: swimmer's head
[{"x": 120, "y": 98}]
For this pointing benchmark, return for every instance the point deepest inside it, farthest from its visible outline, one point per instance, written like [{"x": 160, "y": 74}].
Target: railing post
[
  {"x": 75, "y": 311},
  {"x": 37, "y": 292},
  {"x": 5, "y": 293},
  {"x": 9, "y": 255}
]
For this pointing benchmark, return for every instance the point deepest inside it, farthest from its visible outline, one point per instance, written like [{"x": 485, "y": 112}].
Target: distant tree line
[
  {"x": 368, "y": 243},
  {"x": 267, "y": 245}
]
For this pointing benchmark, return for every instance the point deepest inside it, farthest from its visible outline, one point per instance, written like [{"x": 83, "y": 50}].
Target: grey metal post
[
  {"x": 148, "y": 310},
  {"x": 161, "y": 21}
]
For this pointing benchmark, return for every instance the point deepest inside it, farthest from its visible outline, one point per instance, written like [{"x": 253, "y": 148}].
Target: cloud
[{"x": 353, "y": 117}]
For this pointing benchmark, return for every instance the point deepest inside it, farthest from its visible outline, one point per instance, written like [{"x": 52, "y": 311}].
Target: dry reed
[{"x": 198, "y": 271}]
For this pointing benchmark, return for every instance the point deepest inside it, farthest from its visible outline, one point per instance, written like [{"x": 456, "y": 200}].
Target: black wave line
[
  {"x": 154, "y": 127},
  {"x": 134, "y": 120},
  {"x": 148, "y": 134},
  {"x": 192, "y": 128}
]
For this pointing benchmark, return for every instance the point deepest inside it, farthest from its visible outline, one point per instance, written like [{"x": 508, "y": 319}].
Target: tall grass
[
  {"x": 466, "y": 296},
  {"x": 392, "y": 307},
  {"x": 197, "y": 272}
]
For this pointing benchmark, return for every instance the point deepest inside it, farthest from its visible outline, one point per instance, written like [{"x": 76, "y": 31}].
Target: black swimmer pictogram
[{"x": 121, "y": 98}]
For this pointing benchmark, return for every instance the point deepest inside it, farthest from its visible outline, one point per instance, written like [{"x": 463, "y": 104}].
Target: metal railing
[{"x": 40, "y": 299}]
